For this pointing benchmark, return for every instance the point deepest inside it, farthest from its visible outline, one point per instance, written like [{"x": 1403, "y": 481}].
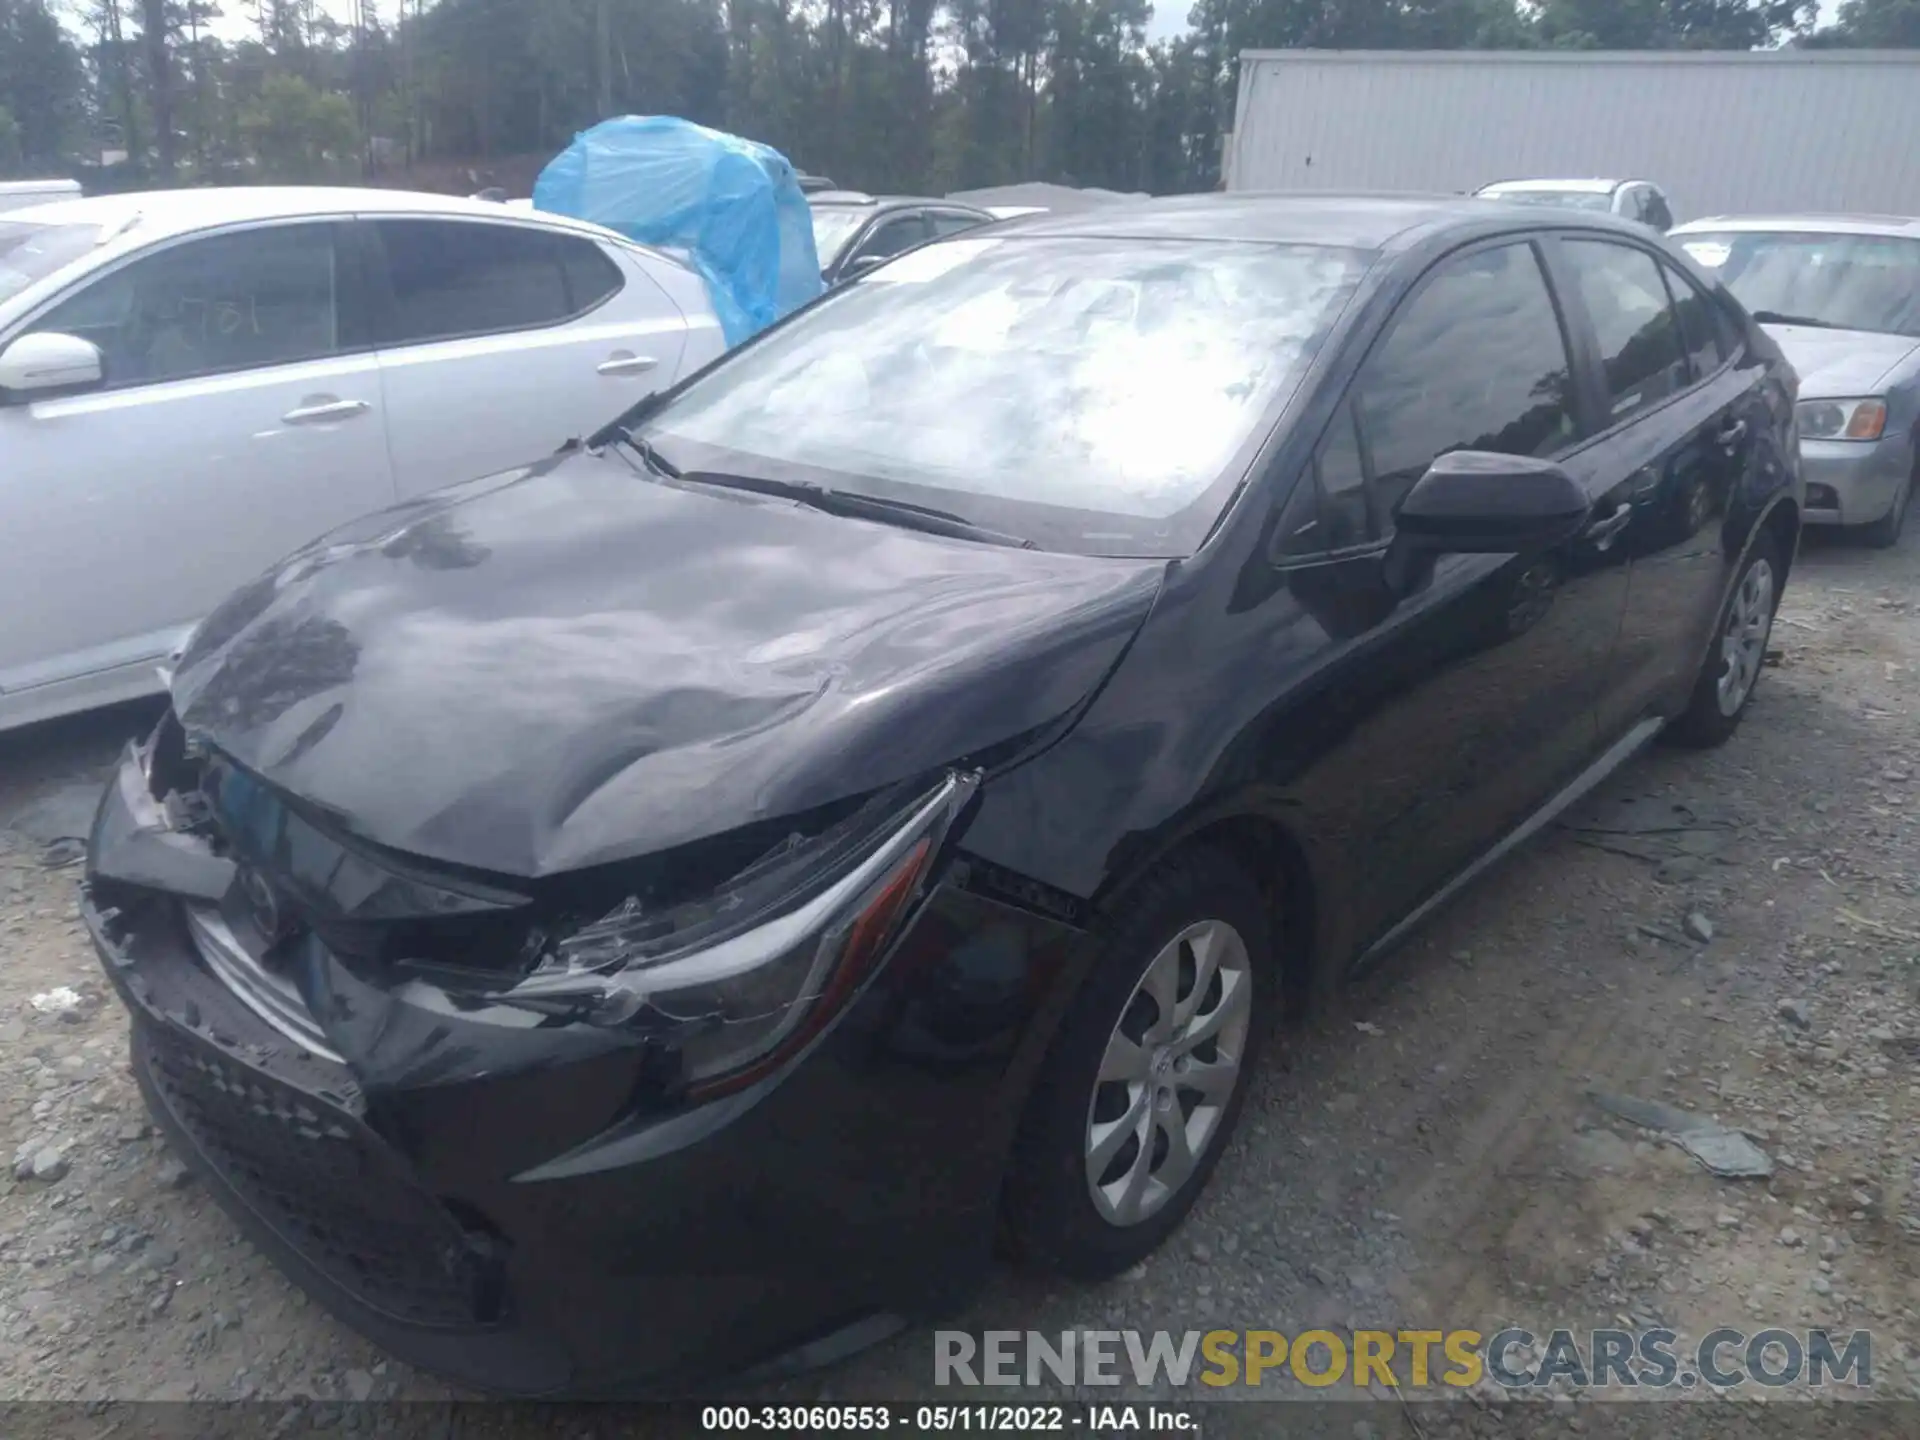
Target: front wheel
[
  {"x": 1141, "y": 1090},
  {"x": 1739, "y": 649}
]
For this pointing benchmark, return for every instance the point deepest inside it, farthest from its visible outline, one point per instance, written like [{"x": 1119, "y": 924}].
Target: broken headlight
[{"x": 739, "y": 980}]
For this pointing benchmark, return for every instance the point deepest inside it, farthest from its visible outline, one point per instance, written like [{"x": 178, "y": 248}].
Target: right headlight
[
  {"x": 1864, "y": 419},
  {"x": 737, "y": 982}
]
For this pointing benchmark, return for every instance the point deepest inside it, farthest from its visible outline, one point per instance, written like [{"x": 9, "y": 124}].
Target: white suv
[{"x": 195, "y": 383}]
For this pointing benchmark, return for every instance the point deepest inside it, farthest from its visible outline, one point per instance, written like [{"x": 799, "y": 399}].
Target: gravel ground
[{"x": 1736, "y": 934}]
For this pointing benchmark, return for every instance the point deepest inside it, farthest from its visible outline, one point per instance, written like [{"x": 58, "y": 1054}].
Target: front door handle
[
  {"x": 1731, "y": 434},
  {"x": 316, "y": 410},
  {"x": 1601, "y": 532},
  {"x": 627, "y": 365}
]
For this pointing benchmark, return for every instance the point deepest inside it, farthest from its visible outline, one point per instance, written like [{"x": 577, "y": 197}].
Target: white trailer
[{"x": 1721, "y": 131}]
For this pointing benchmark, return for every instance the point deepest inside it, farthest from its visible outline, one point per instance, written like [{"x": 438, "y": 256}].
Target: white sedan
[{"x": 194, "y": 383}]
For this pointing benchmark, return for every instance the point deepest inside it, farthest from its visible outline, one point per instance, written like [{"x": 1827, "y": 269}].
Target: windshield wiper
[
  {"x": 862, "y": 507},
  {"x": 651, "y": 457},
  {"x": 1774, "y": 317}
]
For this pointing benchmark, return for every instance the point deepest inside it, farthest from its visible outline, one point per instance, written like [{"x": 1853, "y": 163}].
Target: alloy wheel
[
  {"x": 1743, "y": 644},
  {"x": 1170, "y": 1068}
]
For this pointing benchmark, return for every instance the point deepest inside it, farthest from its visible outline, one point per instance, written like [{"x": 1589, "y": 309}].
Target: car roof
[
  {"x": 147, "y": 215},
  {"x": 1357, "y": 221},
  {"x": 1814, "y": 224},
  {"x": 1578, "y": 187}
]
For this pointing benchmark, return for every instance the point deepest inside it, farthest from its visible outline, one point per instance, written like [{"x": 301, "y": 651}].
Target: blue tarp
[{"x": 733, "y": 205}]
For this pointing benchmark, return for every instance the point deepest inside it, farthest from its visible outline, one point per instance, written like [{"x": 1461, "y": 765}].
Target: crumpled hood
[
  {"x": 1840, "y": 364},
  {"x": 571, "y": 664}
]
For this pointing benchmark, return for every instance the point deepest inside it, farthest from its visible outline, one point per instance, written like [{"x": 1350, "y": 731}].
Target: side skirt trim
[{"x": 1623, "y": 750}]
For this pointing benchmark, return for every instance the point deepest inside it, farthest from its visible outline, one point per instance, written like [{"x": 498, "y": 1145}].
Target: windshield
[
  {"x": 33, "y": 252},
  {"x": 833, "y": 226},
  {"x": 1851, "y": 282},
  {"x": 1564, "y": 199},
  {"x": 1091, "y": 394}
]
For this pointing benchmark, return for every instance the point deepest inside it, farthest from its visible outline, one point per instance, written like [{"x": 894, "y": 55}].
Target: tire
[
  {"x": 1884, "y": 533},
  {"x": 1720, "y": 696},
  {"x": 1198, "y": 914}
]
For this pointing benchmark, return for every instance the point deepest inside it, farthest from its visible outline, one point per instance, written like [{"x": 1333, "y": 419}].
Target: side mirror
[
  {"x": 1473, "y": 503},
  {"x": 860, "y": 265},
  {"x": 48, "y": 363}
]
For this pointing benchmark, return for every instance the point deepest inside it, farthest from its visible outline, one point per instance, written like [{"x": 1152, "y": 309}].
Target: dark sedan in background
[{"x": 669, "y": 909}]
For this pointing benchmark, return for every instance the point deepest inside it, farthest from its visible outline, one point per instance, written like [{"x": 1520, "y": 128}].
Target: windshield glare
[
  {"x": 1091, "y": 394},
  {"x": 30, "y": 253},
  {"x": 1853, "y": 282},
  {"x": 1564, "y": 199},
  {"x": 833, "y": 226}
]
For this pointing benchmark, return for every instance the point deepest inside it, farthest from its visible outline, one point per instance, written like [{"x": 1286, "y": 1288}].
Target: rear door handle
[
  {"x": 1601, "y": 532},
  {"x": 1731, "y": 434},
  {"x": 627, "y": 365},
  {"x": 318, "y": 410}
]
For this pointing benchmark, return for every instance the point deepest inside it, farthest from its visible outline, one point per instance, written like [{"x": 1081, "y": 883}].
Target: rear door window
[
  {"x": 1633, "y": 320},
  {"x": 452, "y": 279},
  {"x": 1700, "y": 330}
]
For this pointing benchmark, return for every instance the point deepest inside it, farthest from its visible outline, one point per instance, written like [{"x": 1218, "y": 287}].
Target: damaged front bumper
[{"x": 498, "y": 1195}]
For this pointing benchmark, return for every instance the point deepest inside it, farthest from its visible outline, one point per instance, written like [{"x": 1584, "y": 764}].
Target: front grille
[{"x": 325, "y": 1184}]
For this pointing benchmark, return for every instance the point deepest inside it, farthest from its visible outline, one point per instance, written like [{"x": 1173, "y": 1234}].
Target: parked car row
[
  {"x": 699, "y": 826},
  {"x": 677, "y": 904},
  {"x": 854, "y": 231}
]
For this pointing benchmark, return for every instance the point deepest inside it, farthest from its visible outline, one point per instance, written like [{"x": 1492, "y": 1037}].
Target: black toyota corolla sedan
[{"x": 675, "y": 907}]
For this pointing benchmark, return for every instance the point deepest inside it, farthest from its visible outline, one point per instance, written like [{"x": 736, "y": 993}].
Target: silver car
[
  {"x": 1841, "y": 294},
  {"x": 1640, "y": 200}
]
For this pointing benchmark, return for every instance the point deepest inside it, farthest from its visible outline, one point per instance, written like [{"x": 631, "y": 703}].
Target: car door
[
  {"x": 239, "y": 417},
  {"x": 1438, "y": 723},
  {"x": 1684, "y": 423},
  {"x": 499, "y": 342}
]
